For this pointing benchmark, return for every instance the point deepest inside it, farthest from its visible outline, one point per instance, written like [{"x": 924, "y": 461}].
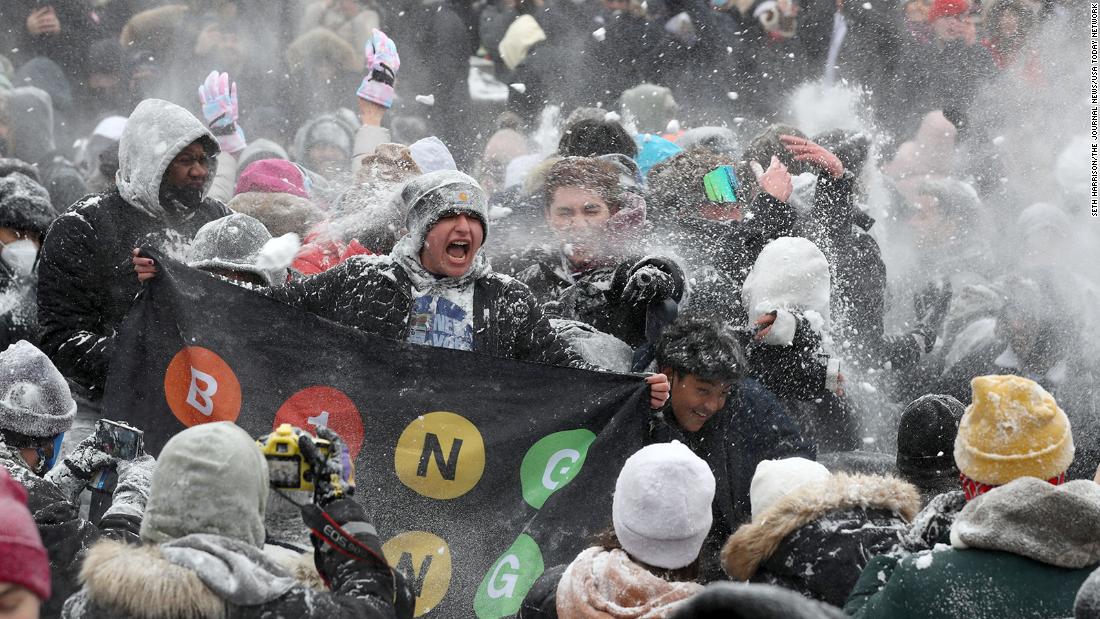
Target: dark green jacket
[{"x": 967, "y": 584}]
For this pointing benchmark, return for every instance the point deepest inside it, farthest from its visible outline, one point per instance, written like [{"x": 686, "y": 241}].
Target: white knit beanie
[
  {"x": 775, "y": 479},
  {"x": 662, "y": 505}
]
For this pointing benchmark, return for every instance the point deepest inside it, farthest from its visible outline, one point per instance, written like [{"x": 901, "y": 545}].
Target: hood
[
  {"x": 601, "y": 584},
  {"x": 759, "y": 601},
  {"x": 721, "y": 140},
  {"x": 332, "y": 129},
  {"x": 210, "y": 478},
  {"x": 193, "y": 577},
  {"x": 31, "y": 112},
  {"x": 41, "y": 72},
  {"x": 1056, "y": 525},
  {"x": 155, "y": 133},
  {"x": 651, "y": 106},
  {"x": 790, "y": 273},
  {"x": 754, "y": 543}
]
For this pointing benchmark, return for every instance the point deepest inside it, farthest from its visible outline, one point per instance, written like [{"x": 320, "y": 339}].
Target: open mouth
[{"x": 458, "y": 250}]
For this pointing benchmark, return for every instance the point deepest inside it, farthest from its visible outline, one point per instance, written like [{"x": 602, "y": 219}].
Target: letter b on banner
[
  {"x": 506, "y": 584},
  {"x": 440, "y": 455},
  {"x": 201, "y": 387}
]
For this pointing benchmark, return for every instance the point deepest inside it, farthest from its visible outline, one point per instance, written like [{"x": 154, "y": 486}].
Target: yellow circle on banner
[
  {"x": 440, "y": 455},
  {"x": 425, "y": 560}
]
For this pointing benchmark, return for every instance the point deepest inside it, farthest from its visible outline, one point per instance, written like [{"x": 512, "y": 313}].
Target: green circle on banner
[
  {"x": 502, "y": 590},
  {"x": 553, "y": 462}
]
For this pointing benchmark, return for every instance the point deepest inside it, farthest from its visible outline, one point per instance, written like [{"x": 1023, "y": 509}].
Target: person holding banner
[
  {"x": 727, "y": 419},
  {"x": 166, "y": 167},
  {"x": 436, "y": 287}
]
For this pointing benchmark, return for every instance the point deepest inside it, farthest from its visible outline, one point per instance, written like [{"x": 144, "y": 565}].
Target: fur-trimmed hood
[
  {"x": 128, "y": 580},
  {"x": 280, "y": 213},
  {"x": 754, "y": 543}
]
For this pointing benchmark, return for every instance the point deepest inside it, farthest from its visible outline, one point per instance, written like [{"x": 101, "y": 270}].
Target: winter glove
[
  {"x": 931, "y": 304},
  {"x": 334, "y": 475},
  {"x": 79, "y": 467},
  {"x": 382, "y": 65},
  {"x": 647, "y": 284},
  {"x": 347, "y": 551},
  {"x": 135, "y": 479},
  {"x": 219, "y": 108}
]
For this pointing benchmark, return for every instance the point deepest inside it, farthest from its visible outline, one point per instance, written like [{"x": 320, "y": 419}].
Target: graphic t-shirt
[{"x": 443, "y": 321}]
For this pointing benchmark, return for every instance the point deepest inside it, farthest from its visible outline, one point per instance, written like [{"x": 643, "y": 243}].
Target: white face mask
[{"x": 20, "y": 256}]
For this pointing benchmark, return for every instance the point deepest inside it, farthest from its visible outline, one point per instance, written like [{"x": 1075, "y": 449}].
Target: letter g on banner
[
  {"x": 440, "y": 455},
  {"x": 502, "y": 590},
  {"x": 553, "y": 462},
  {"x": 201, "y": 387}
]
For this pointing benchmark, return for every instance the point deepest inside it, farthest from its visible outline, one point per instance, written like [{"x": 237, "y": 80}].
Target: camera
[
  {"x": 119, "y": 440},
  {"x": 287, "y": 467}
]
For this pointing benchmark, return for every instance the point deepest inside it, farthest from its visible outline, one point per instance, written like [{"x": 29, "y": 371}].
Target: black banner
[{"x": 480, "y": 473}]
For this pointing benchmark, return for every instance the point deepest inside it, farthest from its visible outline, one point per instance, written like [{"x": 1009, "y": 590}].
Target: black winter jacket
[
  {"x": 753, "y": 426},
  {"x": 66, "y": 536},
  {"x": 86, "y": 281},
  {"x": 374, "y": 294},
  {"x": 816, "y": 541},
  {"x": 594, "y": 297}
]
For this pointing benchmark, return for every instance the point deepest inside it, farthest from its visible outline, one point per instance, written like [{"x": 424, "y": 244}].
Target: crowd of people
[{"x": 845, "y": 243}]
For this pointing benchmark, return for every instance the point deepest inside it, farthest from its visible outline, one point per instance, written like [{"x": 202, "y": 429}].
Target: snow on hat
[
  {"x": 239, "y": 242},
  {"x": 25, "y": 204},
  {"x": 210, "y": 478},
  {"x": 111, "y": 127},
  {"x": 1013, "y": 428},
  {"x": 926, "y": 435},
  {"x": 948, "y": 8},
  {"x": 34, "y": 397},
  {"x": 23, "y": 559},
  {"x": 662, "y": 505},
  {"x": 790, "y": 273},
  {"x": 775, "y": 479},
  {"x": 435, "y": 195},
  {"x": 651, "y": 106},
  {"x": 431, "y": 155},
  {"x": 273, "y": 176},
  {"x": 258, "y": 149}
]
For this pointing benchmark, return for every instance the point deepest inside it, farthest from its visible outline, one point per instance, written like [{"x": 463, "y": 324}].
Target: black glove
[
  {"x": 649, "y": 283},
  {"x": 333, "y": 475},
  {"x": 77, "y": 469},
  {"x": 931, "y": 304}
]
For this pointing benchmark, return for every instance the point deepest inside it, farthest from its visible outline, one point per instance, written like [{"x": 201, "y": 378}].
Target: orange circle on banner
[
  {"x": 200, "y": 387},
  {"x": 324, "y": 406}
]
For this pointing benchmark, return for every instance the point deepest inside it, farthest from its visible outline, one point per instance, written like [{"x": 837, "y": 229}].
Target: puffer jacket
[
  {"x": 137, "y": 581},
  {"x": 86, "y": 281},
  {"x": 374, "y": 294},
  {"x": 595, "y": 296},
  {"x": 1020, "y": 550},
  {"x": 817, "y": 540}
]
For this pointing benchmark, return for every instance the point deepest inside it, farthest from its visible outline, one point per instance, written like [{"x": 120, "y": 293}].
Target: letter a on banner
[{"x": 201, "y": 387}]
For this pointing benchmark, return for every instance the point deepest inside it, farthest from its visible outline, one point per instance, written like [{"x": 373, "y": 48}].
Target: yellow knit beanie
[{"x": 1013, "y": 428}]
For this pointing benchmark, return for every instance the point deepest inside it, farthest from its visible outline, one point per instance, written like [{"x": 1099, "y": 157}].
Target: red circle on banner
[
  {"x": 200, "y": 387},
  {"x": 324, "y": 406}
]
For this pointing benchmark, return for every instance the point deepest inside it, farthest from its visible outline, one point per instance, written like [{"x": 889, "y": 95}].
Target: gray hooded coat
[
  {"x": 33, "y": 141},
  {"x": 86, "y": 281}
]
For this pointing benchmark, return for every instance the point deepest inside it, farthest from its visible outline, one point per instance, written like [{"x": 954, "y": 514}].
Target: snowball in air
[{"x": 426, "y": 99}]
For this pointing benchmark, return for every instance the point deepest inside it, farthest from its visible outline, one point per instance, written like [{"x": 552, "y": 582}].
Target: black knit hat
[{"x": 926, "y": 438}]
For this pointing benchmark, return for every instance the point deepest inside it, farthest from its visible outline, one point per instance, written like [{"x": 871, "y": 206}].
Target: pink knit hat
[
  {"x": 272, "y": 176},
  {"x": 23, "y": 559}
]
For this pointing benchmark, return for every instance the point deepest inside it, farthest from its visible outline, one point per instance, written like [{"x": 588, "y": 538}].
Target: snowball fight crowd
[{"x": 843, "y": 246}]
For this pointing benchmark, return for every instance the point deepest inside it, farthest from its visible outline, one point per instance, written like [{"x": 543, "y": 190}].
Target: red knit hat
[
  {"x": 948, "y": 8},
  {"x": 23, "y": 559},
  {"x": 273, "y": 176}
]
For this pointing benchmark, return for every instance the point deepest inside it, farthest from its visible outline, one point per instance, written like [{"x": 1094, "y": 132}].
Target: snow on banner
[{"x": 480, "y": 473}]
